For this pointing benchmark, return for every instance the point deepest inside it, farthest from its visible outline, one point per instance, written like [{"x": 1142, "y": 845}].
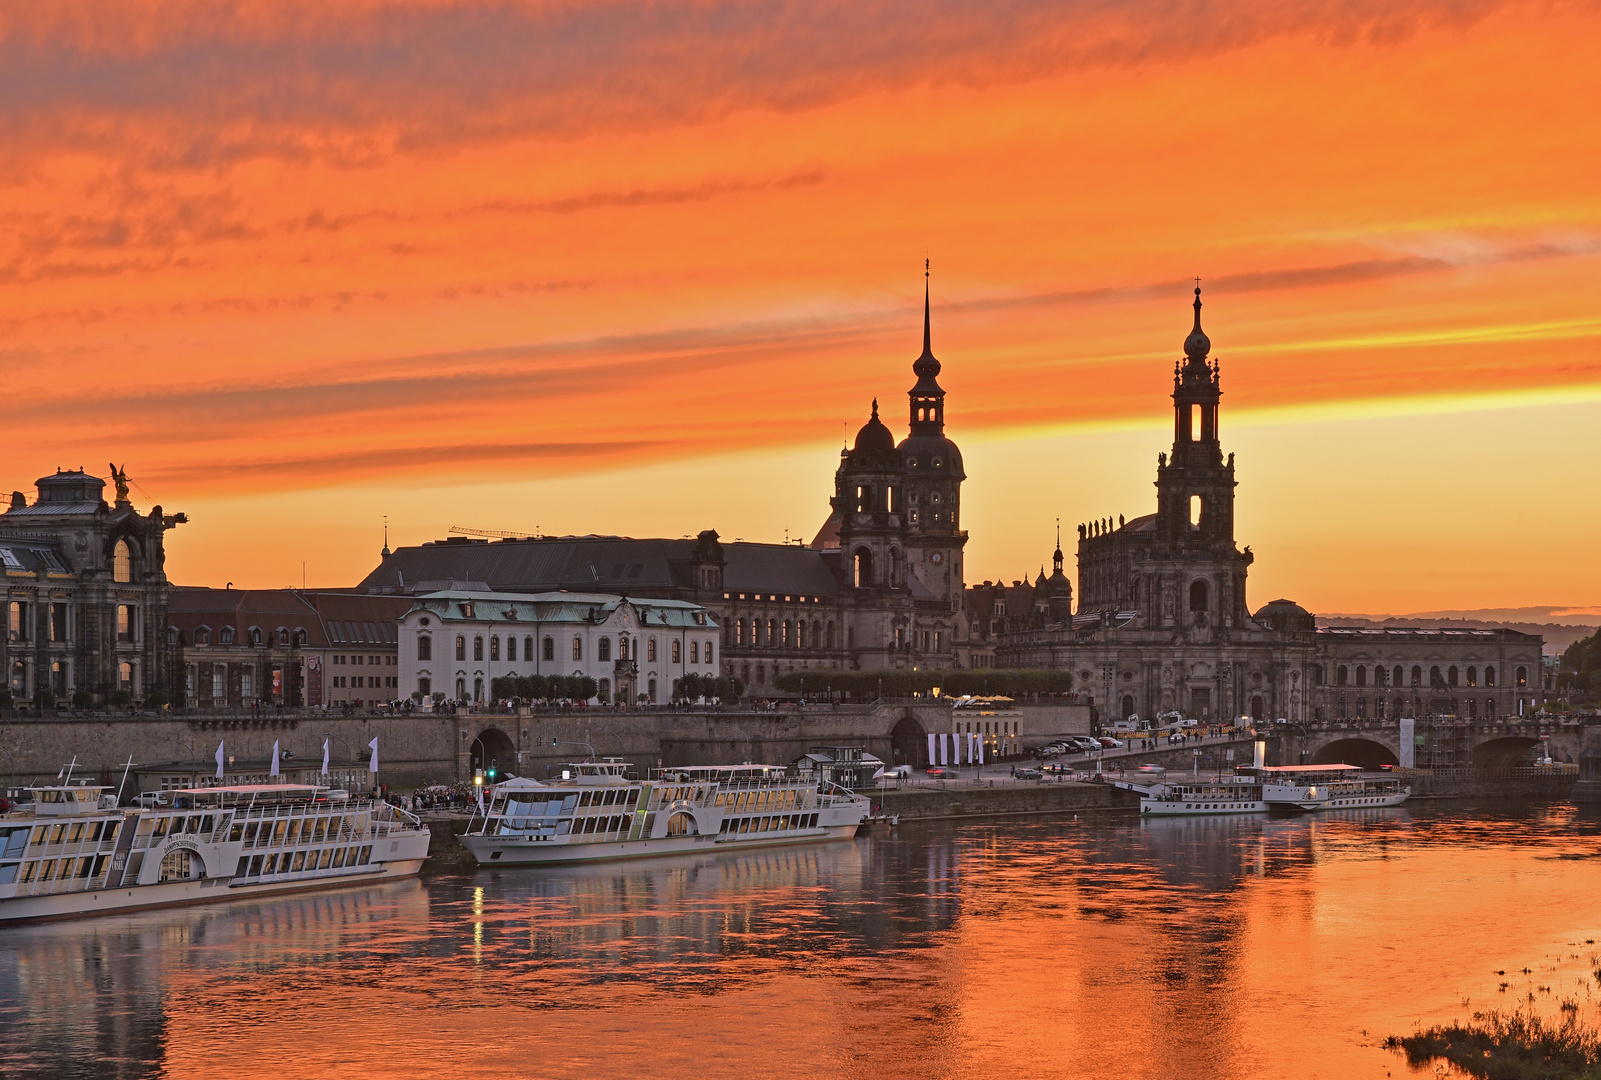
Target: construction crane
[{"x": 500, "y": 533}]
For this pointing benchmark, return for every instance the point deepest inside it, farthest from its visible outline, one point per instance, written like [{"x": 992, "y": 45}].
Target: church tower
[
  {"x": 933, "y": 469},
  {"x": 1195, "y": 497}
]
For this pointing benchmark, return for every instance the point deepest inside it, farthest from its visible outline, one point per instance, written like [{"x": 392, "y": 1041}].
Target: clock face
[{"x": 936, "y": 558}]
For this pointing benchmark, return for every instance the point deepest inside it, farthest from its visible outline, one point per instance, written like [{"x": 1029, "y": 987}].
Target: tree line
[{"x": 866, "y": 685}]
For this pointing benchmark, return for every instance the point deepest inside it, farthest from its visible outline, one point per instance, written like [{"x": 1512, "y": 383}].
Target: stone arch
[
  {"x": 1363, "y": 752},
  {"x": 909, "y": 743},
  {"x": 494, "y": 749},
  {"x": 1509, "y": 751}
]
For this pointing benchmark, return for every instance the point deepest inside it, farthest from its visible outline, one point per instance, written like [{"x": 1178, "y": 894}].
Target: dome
[
  {"x": 931, "y": 455},
  {"x": 1286, "y": 616},
  {"x": 874, "y": 437},
  {"x": 1197, "y": 345}
]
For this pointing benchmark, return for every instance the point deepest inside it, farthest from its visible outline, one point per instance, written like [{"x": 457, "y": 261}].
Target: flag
[
  {"x": 325, "y": 757},
  {"x": 274, "y": 771},
  {"x": 219, "y": 761},
  {"x": 931, "y": 738},
  {"x": 372, "y": 766}
]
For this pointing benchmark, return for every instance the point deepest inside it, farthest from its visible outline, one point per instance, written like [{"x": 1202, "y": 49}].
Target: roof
[
  {"x": 332, "y": 618},
  {"x": 24, "y": 556},
  {"x": 555, "y": 607},
  {"x": 613, "y": 565}
]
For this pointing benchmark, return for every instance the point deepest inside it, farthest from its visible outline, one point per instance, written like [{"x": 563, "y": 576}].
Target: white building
[{"x": 454, "y": 643}]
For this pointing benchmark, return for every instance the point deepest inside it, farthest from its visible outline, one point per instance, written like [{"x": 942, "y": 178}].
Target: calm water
[{"x": 1190, "y": 949}]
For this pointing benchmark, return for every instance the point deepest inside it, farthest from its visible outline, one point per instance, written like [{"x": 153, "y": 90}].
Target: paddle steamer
[
  {"x": 74, "y": 852},
  {"x": 596, "y": 812}
]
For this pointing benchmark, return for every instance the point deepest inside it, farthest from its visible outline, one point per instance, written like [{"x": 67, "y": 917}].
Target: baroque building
[
  {"x": 86, "y": 592},
  {"x": 1163, "y": 624},
  {"x": 879, "y": 587}
]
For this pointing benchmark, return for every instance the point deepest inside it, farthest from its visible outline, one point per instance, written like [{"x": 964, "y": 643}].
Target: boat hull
[
  {"x": 1164, "y": 808},
  {"x": 1343, "y": 802},
  {"x": 518, "y": 851}
]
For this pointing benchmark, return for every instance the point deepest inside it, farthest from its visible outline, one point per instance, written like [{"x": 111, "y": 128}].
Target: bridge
[{"x": 1439, "y": 742}]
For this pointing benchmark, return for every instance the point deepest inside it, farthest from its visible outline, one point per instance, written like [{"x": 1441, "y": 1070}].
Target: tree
[
  {"x": 121, "y": 699},
  {"x": 82, "y": 699},
  {"x": 586, "y": 687},
  {"x": 156, "y": 698}
]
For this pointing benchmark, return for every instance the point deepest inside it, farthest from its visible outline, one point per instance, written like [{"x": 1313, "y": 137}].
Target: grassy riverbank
[{"x": 1515, "y": 1045}]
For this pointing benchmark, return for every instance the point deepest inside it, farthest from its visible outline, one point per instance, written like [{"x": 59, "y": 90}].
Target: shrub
[{"x": 121, "y": 698}]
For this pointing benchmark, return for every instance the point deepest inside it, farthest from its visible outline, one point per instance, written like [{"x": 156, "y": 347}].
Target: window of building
[
  {"x": 1523, "y": 676},
  {"x": 1398, "y": 677},
  {"x": 1451, "y": 676},
  {"x": 550, "y": 649},
  {"x": 694, "y": 652},
  {"x": 511, "y": 648},
  {"x": 739, "y": 632},
  {"x": 225, "y": 636},
  {"x": 283, "y": 636},
  {"x": 1200, "y": 594},
  {"x": 121, "y": 562},
  {"x": 125, "y": 622},
  {"x": 772, "y": 632},
  {"x": 603, "y": 649},
  {"x": 247, "y": 682},
  {"x": 650, "y": 649},
  {"x": 494, "y": 647},
  {"x": 478, "y": 648},
  {"x": 219, "y": 682},
  {"x": 1341, "y": 675},
  {"x": 461, "y": 647},
  {"x": 425, "y": 686},
  {"x": 58, "y": 622},
  {"x": 425, "y": 647},
  {"x": 677, "y": 653},
  {"x": 17, "y": 621},
  {"x": 1417, "y": 675},
  {"x": 578, "y": 647},
  {"x": 1489, "y": 676},
  {"x": 189, "y": 679},
  {"x": 1361, "y": 675},
  {"x": 786, "y": 633},
  {"x": 1435, "y": 678},
  {"x": 528, "y": 647},
  {"x": 708, "y": 654},
  {"x": 1473, "y": 676}
]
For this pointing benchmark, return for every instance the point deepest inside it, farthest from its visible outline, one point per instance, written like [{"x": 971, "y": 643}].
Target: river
[{"x": 1190, "y": 949}]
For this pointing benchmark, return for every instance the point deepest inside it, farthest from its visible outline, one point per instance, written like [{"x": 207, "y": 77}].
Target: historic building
[
  {"x": 1163, "y": 623},
  {"x": 879, "y": 587},
  {"x": 86, "y": 590},
  {"x": 454, "y": 643}
]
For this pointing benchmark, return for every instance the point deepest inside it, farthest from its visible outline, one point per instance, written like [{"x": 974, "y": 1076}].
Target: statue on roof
[{"x": 119, "y": 476}]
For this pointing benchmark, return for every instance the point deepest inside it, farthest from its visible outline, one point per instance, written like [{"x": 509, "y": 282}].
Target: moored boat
[
  {"x": 74, "y": 852},
  {"x": 598, "y": 812},
  {"x": 1302, "y": 788},
  {"x": 1227, "y": 795}
]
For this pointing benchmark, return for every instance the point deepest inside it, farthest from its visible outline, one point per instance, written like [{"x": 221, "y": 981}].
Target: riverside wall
[{"x": 970, "y": 800}]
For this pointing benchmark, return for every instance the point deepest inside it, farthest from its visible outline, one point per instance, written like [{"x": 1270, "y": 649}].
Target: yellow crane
[{"x": 460, "y": 530}]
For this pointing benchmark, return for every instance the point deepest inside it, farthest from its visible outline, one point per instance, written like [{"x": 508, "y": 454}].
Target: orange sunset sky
[{"x": 628, "y": 267}]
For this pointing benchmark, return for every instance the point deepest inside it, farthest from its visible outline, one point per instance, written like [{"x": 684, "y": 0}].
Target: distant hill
[{"x": 1559, "y": 626}]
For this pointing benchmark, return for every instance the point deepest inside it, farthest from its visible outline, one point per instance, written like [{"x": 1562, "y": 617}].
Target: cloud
[
  {"x": 195, "y": 84},
  {"x": 599, "y": 200}
]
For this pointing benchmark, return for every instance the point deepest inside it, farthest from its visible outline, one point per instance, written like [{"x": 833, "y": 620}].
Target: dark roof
[
  {"x": 24, "y": 556},
  {"x": 335, "y": 618},
  {"x": 612, "y": 564}
]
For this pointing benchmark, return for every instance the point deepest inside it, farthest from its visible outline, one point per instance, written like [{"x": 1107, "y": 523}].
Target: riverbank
[{"x": 968, "y": 800}]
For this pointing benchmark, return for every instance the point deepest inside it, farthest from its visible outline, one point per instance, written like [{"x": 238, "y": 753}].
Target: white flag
[
  {"x": 943, "y": 753},
  {"x": 219, "y": 761},
  {"x": 981, "y": 751},
  {"x": 325, "y": 757},
  {"x": 372, "y": 766},
  {"x": 932, "y": 754},
  {"x": 274, "y": 771}
]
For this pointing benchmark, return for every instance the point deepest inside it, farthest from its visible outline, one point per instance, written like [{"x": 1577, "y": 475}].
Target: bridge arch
[
  {"x": 909, "y": 743},
  {"x": 1354, "y": 751},
  {"x": 1509, "y": 751},
  {"x": 493, "y": 749}
]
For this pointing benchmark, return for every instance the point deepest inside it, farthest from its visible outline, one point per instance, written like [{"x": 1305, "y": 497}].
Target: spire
[
  {"x": 1197, "y": 345},
  {"x": 1056, "y": 556},
  {"x": 927, "y": 396},
  {"x": 385, "y": 553},
  {"x": 928, "y": 347},
  {"x": 926, "y": 367}
]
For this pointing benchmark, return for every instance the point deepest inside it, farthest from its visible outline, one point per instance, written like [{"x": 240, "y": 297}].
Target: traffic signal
[{"x": 490, "y": 772}]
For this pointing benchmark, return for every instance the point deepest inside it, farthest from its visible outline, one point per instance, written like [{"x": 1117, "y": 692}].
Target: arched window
[
  {"x": 1489, "y": 676},
  {"x": 1199, "y": 595},
  {"x": 1523, "y": 676},
  {"x": 772, "y": 631},
  {"x": 461, "y": 652},
  {"x": 283, "y": 635},
  {"x": 817, "y": 635},
  {"x": 694, "y": 652},
  {"x": 650, "y": 647},
  {"x": 461, "y": 689},
  {"x": 786, "y": 634},
  {"x": 1361, "y": 675},
  {"x": 1256, "y": 708},
  {"x": 708, "y": 655},
  {"x": 1436, "y": 680},
  {"x": 1451, "y": 676},
  {"x": 678, "y": 652},
  {"x": 494, "y": 647},
  {"x": 1417, "y": 675},
  {"x": 603, "y": 649},
  {"x": 1473, "y": 676},
  {"x": 478, "y": 648},
  {"x": 1398, "y": 677},
  {"x": 578, "y": 647},
  {"x": 121, "y": 562},
  {"x": 1128, "y": 706},
  {"x": 425, "y": 647},
  {"x": 622, "y": 647},
  {"x": 863, "y": 569},
  {"x": 1341, "y": 675},
  {"x": 739, "y": 633},
  {"x": 528, "y": 647}
]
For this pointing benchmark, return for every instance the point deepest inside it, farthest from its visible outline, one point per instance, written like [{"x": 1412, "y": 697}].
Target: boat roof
[{"x": 1306, "y": 768}]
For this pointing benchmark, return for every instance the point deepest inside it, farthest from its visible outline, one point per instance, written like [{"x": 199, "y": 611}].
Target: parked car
[
  {"x": 1111, "y": 743},
  {"x": 1027, "y": 774},
  {"x": 894, "y": 772},
  {"x": 1086, "y": 743},
  {"x": 940, "y": 772}
]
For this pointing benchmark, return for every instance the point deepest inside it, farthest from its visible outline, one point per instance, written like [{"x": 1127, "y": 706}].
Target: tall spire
[
  {"x": 928, "y": 346},
  {"x": 385, "y": 553}
]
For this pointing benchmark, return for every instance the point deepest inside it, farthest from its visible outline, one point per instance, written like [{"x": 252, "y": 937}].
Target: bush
[
  {"x": 46, "y": 699},
  {"x": 157, "y": 698},
  {"x": 121, "y": 699},
  {"x": 6, "y": 700},
  {"x": 82, "y": 699}
]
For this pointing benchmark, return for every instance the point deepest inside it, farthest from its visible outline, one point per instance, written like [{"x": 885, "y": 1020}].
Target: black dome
[
  {"x": 1286, "y": 616},
  {"x": 921, "y": 452},
  {"x": 874, "y": 437}
]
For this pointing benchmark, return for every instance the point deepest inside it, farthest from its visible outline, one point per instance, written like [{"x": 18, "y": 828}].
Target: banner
[
  {"x": 325, "y": 757},
  {"x": 932, "y": 753},
  {"x": 981, "y": 749},
  {"x": 1408, "y": 755},
  {"x": 274, "y": 771},
  {"x": 219, "y": 761},
  {"x": 372, "y": 766}
]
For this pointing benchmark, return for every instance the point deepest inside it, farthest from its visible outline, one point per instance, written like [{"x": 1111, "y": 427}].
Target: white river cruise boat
[
  {"x": 597, "y": 813},
  {"x": 74, "y": 852},
  {"x": 1228, "y": 795},
  {"x": 1326, "y": 787}
]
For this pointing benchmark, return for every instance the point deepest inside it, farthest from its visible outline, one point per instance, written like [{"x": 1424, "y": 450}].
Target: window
[
  {"x": 650, "y": 647},
  {"x": 511, "y": 648},
  {"x": 708, "y": 654},
  {"x": 1341, "y": 675},
  {"x": 121, "y": 562},
  {"x": 219, "y": 682},
  {"x": 694, "y": 650},
  {"x": 677, "y": 653},
  {"x": 58, "y": 622},
  {"x": 17, "y": 626},
  {"x": 1399, "y": 676},
  {"x": 125, "y": 622},
  {"x": 603, "y": 649},
  {"x": 494, "y": 647},
  {"x": 1523, "y": 676},
  {"x": 425, "y": 687},
  {"x": 786, "y": 634},
  {"x": 1473, "y": 676},
  {"x": 863, "y": 568},
  {"x": 528, "y": 647},
  {"x": 478, "y": 648},
  {"x": 461, "y": 647},
  {"x": 247, "y": 682},
  {"x": 1435, "y": 678},
  {"x": 425, "y": 647},
  {"x": 1451, "y": 676},
  {"x": 1417, "y": 675},
  {"x": 225, "y": 636},
  {"x": 283, "y": 636},
  {"x": 1199, "y": 595},
  {"x": 550, "y": 649},
  {"x": 578, "y": 647},
  {"x": 772, "y": 631},
  {"x": 1489, "y": 676},
  {"x": 1361, "y": 675}
]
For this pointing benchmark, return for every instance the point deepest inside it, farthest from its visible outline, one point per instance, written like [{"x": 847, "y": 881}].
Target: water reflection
[{"x": 1182, "y": 947}]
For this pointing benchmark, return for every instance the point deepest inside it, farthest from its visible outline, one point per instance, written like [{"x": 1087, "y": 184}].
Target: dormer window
[
  {"x": 253, "y": 635},
  {"x": 203, "y": 636},
  {"x": 225, "y": 636}
]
